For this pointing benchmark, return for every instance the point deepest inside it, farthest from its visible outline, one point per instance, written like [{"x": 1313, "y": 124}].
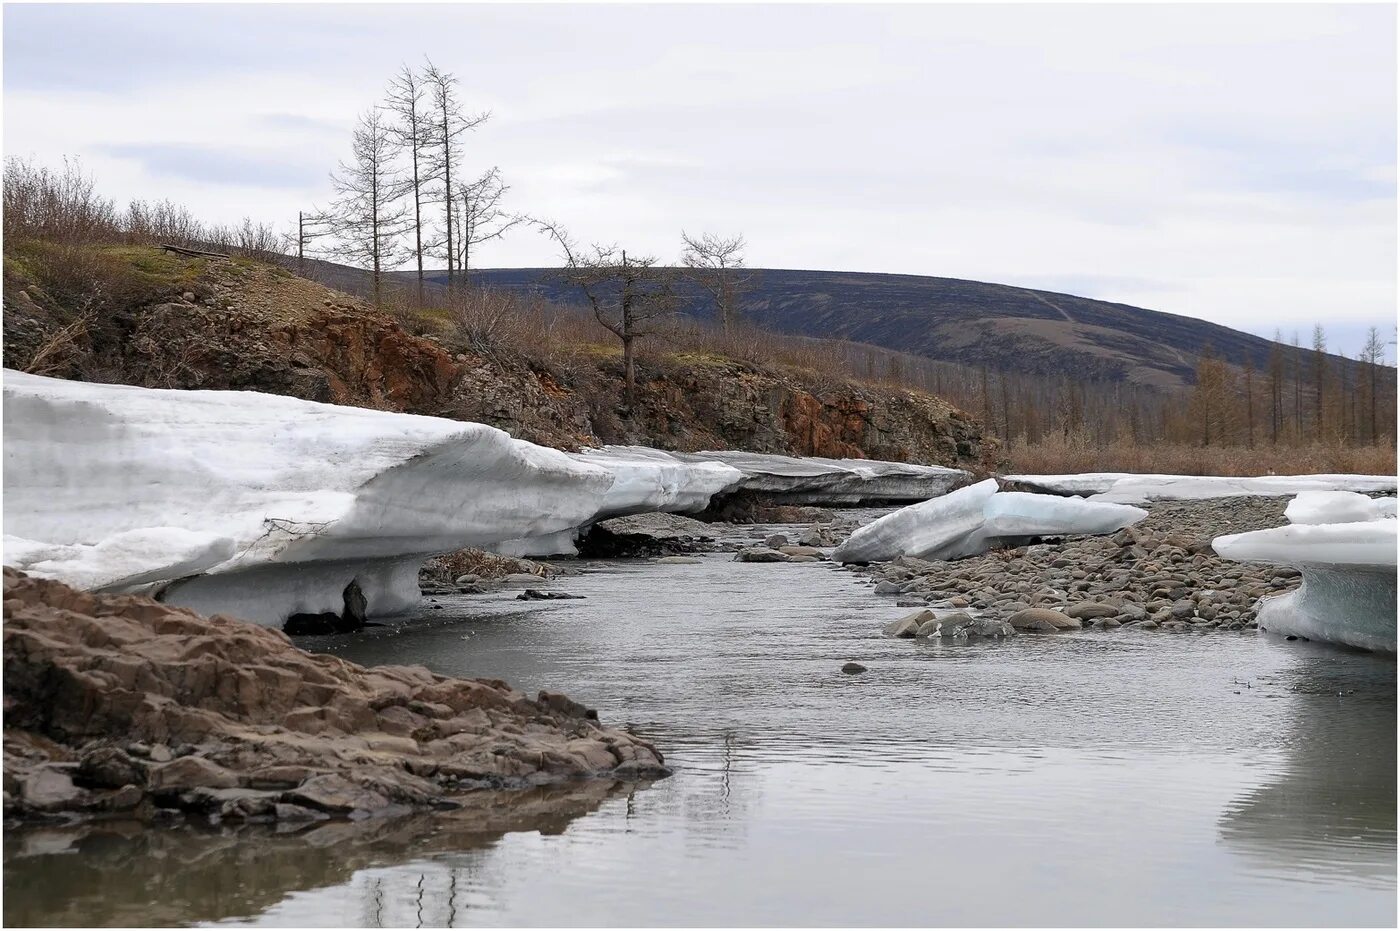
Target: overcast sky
[{"x": 1235, "y": 163}]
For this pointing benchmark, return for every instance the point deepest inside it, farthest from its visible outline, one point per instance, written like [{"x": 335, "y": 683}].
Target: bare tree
[
  {"x": 1373, "y": 354},
  {"x": 629, "y": 295},
  {"x": 481, "y": 218},
  {"x": 410, "y": 133},
  {"x": 367, "y": 216},
  {"x": 1319, "y": 348},
  {"x": 716, "y": 263},
  {"x": 447, "y": 123}
]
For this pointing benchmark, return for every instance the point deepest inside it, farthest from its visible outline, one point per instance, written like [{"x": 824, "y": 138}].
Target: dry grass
[
  {"x": 1056, "y": 455},
  {"x": 480, "y": 563}
]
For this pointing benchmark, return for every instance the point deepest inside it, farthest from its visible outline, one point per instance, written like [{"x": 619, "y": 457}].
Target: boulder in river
[
  {"x": 908, "y": 626},
  {"x": 760, "y": 554},
  {"x": 1044, "y": 620}
]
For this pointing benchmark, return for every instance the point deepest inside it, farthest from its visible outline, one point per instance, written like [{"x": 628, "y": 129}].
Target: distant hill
[{"x": 968, "y": 322}]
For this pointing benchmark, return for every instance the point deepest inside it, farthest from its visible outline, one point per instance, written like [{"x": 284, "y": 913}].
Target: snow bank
[
  {"x": 816, "y": 480},
  {"x": 1348, "y": 590},
  {"x": 968, "y": 521},
  {"x": 279, "y": 503},
  {"x": 1139, "y": 488}
]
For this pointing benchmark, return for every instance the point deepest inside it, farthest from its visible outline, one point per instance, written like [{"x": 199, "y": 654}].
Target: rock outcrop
[{"x": 118, "y": 704}]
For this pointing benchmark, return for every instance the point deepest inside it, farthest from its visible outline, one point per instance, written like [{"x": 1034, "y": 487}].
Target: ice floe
[
  {"x": 1345, "y": 548},
  {"x": 1140, "y": 488},
  {"x": 1337, "y": 507},
  {"x": 970, "y": 520},
  {"x": 816, "y": 480}
]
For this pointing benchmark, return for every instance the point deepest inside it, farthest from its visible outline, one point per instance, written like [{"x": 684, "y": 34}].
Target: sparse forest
[{"x": 409, "y": 198}]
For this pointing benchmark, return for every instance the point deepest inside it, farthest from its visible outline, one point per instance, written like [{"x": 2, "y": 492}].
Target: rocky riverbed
[
  {"x": 119, "y": 705},
  {"x": 1160, "y": 574}
]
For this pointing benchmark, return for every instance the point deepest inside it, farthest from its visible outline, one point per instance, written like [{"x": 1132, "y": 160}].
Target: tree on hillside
[
  {"x": 1297, "y": 390},
  {"x": 1373, "y": 354},
  {"x": 1210, "y": 399},
  {"x": 716, "y": 263},
  {"x": 1276, "y": 373},
  {"x": 366, "y": 215},
  {"x": 447, "y": 123},
  {"x": 1319, "y": 350},
  {"x": 628, "y": 294},
  {"x": 480, "y": 217},
  {"x": 410, "y": 135},
  {"x": 1249, "y": 400}
]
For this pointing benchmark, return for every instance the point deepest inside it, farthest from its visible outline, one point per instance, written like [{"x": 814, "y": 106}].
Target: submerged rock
[{"x": 259, "y": 726}]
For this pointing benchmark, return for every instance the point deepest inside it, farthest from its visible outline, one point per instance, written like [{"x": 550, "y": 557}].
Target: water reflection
[
  {"x": 1101, "y": 778},
  {"x": 1332, "y": 812},
  {"x": 128, "y": 874}
]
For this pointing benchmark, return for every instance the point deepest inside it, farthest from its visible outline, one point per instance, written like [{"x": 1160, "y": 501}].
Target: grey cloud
[{"x": 215, "y": 165}]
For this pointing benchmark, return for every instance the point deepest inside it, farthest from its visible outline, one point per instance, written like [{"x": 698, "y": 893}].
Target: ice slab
[
  {"x": 1022, "y": 514},
  {"x": 1337, "y": 507},
  {"x": 1139, "y": 488},
  {"x": 1348, "y": 593},
  {"x": 940, "y": 528},
  {"x": 297, "y": 499},
  {"x": 648, "y": 480},
  {"x": 968, "y": 521},
  {"x": 833, "y": 482}
]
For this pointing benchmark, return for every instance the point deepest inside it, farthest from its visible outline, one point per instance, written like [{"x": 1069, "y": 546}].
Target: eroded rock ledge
[{"x": 117, "y": 704}]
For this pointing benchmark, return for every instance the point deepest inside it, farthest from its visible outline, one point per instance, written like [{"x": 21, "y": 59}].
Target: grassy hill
[{"x": 973, "y": 323}]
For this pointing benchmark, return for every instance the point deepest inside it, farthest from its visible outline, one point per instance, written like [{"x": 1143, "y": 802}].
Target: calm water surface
[{"x": 1098, "y": 778}]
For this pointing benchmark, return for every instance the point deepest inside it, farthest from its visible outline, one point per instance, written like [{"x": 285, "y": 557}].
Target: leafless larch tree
[
  {"x": 716, "y": 263},
  {"x": 368, "y": 215},
  {"x": 447, "y": 124}
]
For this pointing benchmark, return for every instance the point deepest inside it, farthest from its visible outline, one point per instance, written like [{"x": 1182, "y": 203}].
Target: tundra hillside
[{"x": 134, "y": 314}]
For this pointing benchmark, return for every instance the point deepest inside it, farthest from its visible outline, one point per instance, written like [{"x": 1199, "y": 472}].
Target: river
[{"x": 1095, "y": 778}]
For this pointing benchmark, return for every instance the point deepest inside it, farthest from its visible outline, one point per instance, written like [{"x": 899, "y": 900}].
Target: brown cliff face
[{"x": 242, "y": 325}]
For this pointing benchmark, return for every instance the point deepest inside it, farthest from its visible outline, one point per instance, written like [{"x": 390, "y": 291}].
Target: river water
[{"x": 1093, "y": 778}]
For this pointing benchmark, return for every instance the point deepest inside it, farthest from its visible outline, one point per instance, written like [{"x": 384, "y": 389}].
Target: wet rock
[
  {"x": 189, "y": 772},
  {"x": 853, "y": 669},
  {"x": 760, "y": 554},
  {"x": 790, "y": 550},
  {"x": 776, "y": 541},
  {"x": 110, "y": 768},
  {"x": 888, "y": 587},
  {"x": 49, "y": 788},
  {"x": 258, "y": 722},
  {"x": 990, "y": 627},
  {"x": 534, "y": 594},
  {"x": 679, "y": 560},
  {"x": 908, "y": 626},
  {"x": 1089, "y": 610},
  {"x": 1042, "y": 619}
]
